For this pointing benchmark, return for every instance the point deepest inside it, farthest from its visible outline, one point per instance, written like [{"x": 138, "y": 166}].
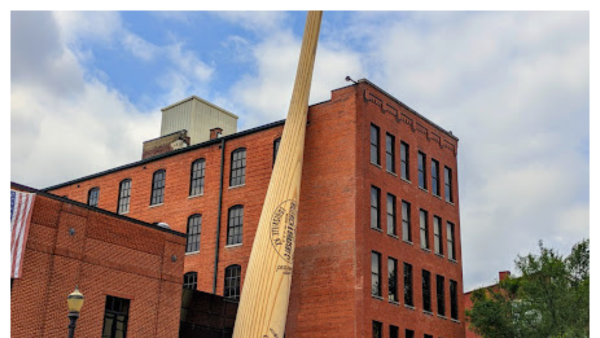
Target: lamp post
[{"x": 75, "y": 302}]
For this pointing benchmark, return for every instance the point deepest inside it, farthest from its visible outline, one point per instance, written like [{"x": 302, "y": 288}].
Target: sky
[{"x": 86, "y": 89}]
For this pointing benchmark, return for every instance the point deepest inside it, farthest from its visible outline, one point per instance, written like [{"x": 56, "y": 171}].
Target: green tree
[{"x": 550, "y": 298}]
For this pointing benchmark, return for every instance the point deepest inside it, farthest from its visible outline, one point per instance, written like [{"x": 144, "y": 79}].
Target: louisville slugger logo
[{"x": 283, "y": 232}]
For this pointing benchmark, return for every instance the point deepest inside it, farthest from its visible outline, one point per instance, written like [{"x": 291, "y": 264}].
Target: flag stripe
[{"x": 21, "y": 207}]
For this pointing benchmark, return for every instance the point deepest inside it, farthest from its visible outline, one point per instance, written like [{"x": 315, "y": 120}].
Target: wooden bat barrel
[{"x": 263, "y": 306}]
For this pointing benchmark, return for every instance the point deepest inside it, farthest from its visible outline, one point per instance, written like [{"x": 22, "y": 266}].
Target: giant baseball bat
[{"x": 263, "y": 306}]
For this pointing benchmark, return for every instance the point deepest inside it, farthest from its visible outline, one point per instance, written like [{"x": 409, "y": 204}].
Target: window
[
  {"x": 194, "y": 228},
  {"x": 158, "y": 187},
  {"x": 116, "y": 314},
  {"x": 124, "y": 196},
  {"x": 394, "y": 331},
  {"x": 408, "y": 289},
  {"x": 238, "y": 167},
  {"x": 93, "y": 195},
  {"x": 435, "y": 182},
  {"x": 437, "y": 235},
  {"x": 390, "y": 146},
  {"x": 404, "y": 172},
  {"x": 422, "y": 171},
  {"x": 276, "y": 149},
  {"x": 375, "y": 223},
  {"x": 406, "y": 234},
  {"x": 233, "y": 275},
  {"x": 441, "y": 300},
  {"x": 197, "y": 177},
  {"x": 427, "y": 336},
  {"x": 424, "y": 229},
  {"x": 392, "y": 279},
  {"x": 450, "y": 239},
  {"x": 391, "y": 214},
  {"x": 409, "y": 333},
  {"x": 448, "y": 183},
  {"x": 426, "y": 290},
  {"x": 377, "y": 330},
  {"x": 453, "y": 300},
  {"x": 374, "y": 144},
  {"x": 235, "y": 225},
  {"x": 190, "y": 281},
  {"x": 375, "y": 273}
]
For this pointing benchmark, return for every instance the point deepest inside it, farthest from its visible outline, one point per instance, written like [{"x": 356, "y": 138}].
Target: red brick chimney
[
  {"x": 215, "y": 133},
  {"x": 503, "y": 275}
]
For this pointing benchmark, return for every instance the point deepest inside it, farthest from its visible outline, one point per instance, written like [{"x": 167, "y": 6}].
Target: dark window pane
[
  {"x": 391, "y": 214},
  {"x": 190, "y": 280},
  {"x": 158, "y": 187},
  {"x": 450, "y": 239},
  {"x": 375, "y": 144},
  {"x": 194, "y": 228},
  {"x": 453, "y": 300},
  {"x": 437, "y": 235},
  {"x": 409, "y": 333},
  {"x": 233, "y": 275},
  {"x": 124, "y": 196},
  {"x": 276, "y": 149},
  {"x": 426, "y": 291},
  {"x": 93, "y": 196},
  {"x": 424, "y": 229},
  {"x": 441, "y": 300},
  {"x": 375, "y": 223},
  {"x": 197, "y": 177},
  {"x": 404, "y": 167},
  {"x": 238, "y": 167},
  {"x": 406, "y": 234},
  {"x": 448, "y": 183},
  {"x": 376, "y": 274},
  {"x": 390, "y": 147},
  {"x": 377, "y": 329},
  {"x": 422, "y": 171},
  {"x": 394, "y": 331},
  {"x": 116, "y": 314},
  {"x": 435, "y": 183},
  {"x": 235, "y": 225},
  {"x": 392, "y": 279},
  {"x": 408, "y": 290}
]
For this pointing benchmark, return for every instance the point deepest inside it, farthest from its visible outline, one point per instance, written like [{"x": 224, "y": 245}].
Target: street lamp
[{"x": 75, "y": 302}]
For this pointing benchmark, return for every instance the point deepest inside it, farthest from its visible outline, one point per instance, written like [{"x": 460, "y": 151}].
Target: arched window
[
  {"x": 233, "y": 276},
  {"x": 235, "y": 225},
  {"x": 194, "y": 227},
  {"x": 276, "y": 144},
  {"x": 158, "y": 187},
  {"x": 197, "y": 177},
  {"x": 238, "y": 167},
  {"x": 190, "y": 281},
  {"x": 124, "y": 196},
  {"x": 93, "y": 196}
]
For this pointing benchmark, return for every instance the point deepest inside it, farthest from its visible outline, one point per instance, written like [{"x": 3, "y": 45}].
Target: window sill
[
  {"x": 424, "y": 189},
  {"x": 439, "y": 255},
  {"x": 236, "y": 186},
  {"x": 426, "y": 250},
  {"x": 155, "y": 205},
  {"x": 394, "y": 302},
  {"x": 377, "y": 165},
  {"x": 451, "y": 203},
  {"x": 123, "y": 213},
  {"x": 410, "y": 307},
  {"x": 376, "y": 297},
  {"x": 192, "y": 253},
  {"x": 377, "y": 229},
  {"x": 455, "y": 320},
  {"x": 407, "y": 242},
  {"x": 429, "y": 313},
  {"x": 442, "y": 317},
  {"x": 437, "y": 196},
  {"x": 453, "y": 260},
  {"x": 406, "y": 180},
  {"x": 194, "y": 196},
  {"x": 233, "y": 245},
  {"x": 391, "y": 173},
  {"x": 393, "y": 236}
]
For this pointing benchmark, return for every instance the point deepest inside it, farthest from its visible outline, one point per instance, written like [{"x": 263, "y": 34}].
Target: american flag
[{"x": 21, "y": 204}]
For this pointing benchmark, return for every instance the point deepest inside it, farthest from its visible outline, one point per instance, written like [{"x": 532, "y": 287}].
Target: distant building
[
  {"x": 378, "y": 251},
  {"x": 468, "y": 302}
]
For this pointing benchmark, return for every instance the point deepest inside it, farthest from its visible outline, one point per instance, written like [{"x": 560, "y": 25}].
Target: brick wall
[
  {"x": 106, "y": 255},
  {"x": 331, "y": 284}
]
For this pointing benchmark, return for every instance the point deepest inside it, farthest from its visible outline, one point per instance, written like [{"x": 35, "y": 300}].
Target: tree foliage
[{"x": 550, "y": 298}]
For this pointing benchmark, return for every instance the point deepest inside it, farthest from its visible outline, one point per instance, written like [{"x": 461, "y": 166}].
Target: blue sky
[{"x": 87, "y": 88}]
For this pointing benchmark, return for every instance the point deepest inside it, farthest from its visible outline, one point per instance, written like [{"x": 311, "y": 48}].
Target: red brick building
[
  {"x": 468, "y": 302},
  {"x": 378, "y": 250},
  {"x": 129, "y": 272}
]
